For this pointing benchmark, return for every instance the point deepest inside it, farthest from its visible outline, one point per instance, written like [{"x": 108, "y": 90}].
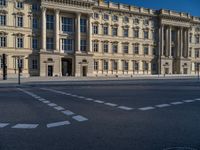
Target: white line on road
[
  {"x": 2, "y": 125},
  {"x": 111, "y": 104},
  {"x": 88, "y": 99},
  {"x": 68, "y": 112},
  {"x": 163, "y": 105},
  {"x": 56, "y": 124},
  {"x": 176, "y": 103},
  {"x": 46, "y": 102},
  {"x": 188, "y": 101},
  {"x": 42, "y": 99},
  {"x": 52, "y": 104},
  {"x": 146, "y": 108},
  {"x": 198, "y": 99},
  {"x": 79, "y": 118},
  {"x": 125, "y": 108},
  {"x": 98, "y": 101},
  {"x": 25, "y": 126},
  {"x": 59, "y": 108}
]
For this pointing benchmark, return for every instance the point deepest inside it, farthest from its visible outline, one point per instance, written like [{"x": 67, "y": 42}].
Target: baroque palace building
[{"x": 96, "y": 38}]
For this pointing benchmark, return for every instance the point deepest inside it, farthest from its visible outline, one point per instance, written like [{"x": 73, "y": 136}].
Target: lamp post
[
  {"x": 4, "y": 65},
  {"x": 198, "y": 69},
  {"x": 19, "y": 65}
]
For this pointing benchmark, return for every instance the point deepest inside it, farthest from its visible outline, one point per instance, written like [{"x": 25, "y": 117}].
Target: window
[
  {"x": 35, "y": 7},
  {"x": 50, "y": 22},
  {"x": 20, "y": 62},
  {"x": 95, "y": 46},
  {"x": 1, "y": 62},
  {"x": 115, "y": 48},
  {"x": 2, "y": 2},
  {"x": 115, "y": 18},
  {"x": 35, "y": 43},
  {"x": 190, "y": 38},
  {"x": 136, "y": 66},
  {"x": 20, "y": 42},
  {"x": 95, "y": 29},
  {"x": 146, "y": 34},
  {"x": 20, "y": 5},
  {"x": 136, "y": 49},
  {"x": 105, "y": 65},
  {"x": 125, "y": 48},
  {"x": 50, "y": 44},
  {"x": 105, "y": 47},
  {"x": 34, "y": 64},
  {"x": 67, "y": 44},
  {"x": 197, "y": 41},
  {"x": 83, "y": 45},
  {"x": 114, "y": 31},
  {"x": 196, "y": 53},
  {"x": 145, "y": 66},
  {"x": 146, "y": 50},
  {"x": 106, "y": 17},
  {"x": 126, "y": 19},
  {"x": 96, "y": 15},
  {"x": 20, "y": 21},
  {"x": 96, "y": 65},
  {"x": 105, "y": 30},
  {"x": 125, "y": 66},
  {"x": 146, "y": 22},
  {"x": 136, "y": 21},
  {"x": 35, "y": 23},
  {"x": 114, "y": 65},
  {"x": 136, "y": 33},
  {"x": 126, "y": 32},
  {"x": 190, "y": 52},
  {"x": 83, "y": 25},
  {"x": 67, "y": 24},
  {"x": 2, "y": 20},
  {"x": 2, "y": 41}
]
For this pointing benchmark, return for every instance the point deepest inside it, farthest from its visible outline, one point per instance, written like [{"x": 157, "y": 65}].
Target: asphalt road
[{"x": 101, "y": 115}]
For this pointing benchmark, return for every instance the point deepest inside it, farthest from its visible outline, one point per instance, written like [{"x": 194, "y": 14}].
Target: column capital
[
  {"x": 44, "y": 9},
  {"x": 57, "y": 11}
]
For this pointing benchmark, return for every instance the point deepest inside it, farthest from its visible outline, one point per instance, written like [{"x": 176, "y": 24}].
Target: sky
[{"x": 189, "y": 6}]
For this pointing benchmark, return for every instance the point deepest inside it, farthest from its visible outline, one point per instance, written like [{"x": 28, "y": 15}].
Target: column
[
  {"x": 90, "y": 33},
  {"x": 170, "y": 41},
  {"x": 162, "y": 40},
  {"x": 181, "y": 42},
  {"x": 43, "y": 28},
  {"x": 78, "y": 32},
  {"x": 167, "y": 41},
  {"x": 56, "y": 30},
  {"x": 130, "y": 67},
  {"x": 178, "y": 42},
  {"x": 149, "y": 68}
]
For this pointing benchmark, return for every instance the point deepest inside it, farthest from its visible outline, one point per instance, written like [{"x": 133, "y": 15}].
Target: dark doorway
[
  {"x": 66, "y": 67},
  {"x": 84, "y": 71},
  {"x": 50, "y": 70}
]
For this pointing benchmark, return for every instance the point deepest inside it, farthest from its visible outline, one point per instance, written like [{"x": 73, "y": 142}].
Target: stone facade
[{"x": 96, "y": 38}]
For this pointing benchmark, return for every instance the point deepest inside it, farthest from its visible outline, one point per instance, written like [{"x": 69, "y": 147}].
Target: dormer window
[{"x": 20, "y": 5}]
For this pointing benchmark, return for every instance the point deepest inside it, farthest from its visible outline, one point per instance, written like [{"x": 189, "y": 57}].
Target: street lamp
[
  {"x": 4, "y": 65},
  {"x": 198, "y": 69},
  {"x": 19, "y": 64}
]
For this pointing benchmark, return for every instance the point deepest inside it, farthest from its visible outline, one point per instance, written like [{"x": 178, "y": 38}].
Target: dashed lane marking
[
  {"x": 68, "y": 112},
  {"x": 188, "y": 101},
  {"x": 46, "y": 102},
  {"x": 125, "y": 108},
  {"x": 111, "y": 104},
  {"x": 52, "y": 104},
  {"x": 197, "y": 99},
  {"x": 2, "y": 125},
  {"x": 25, "y": 126},
  {"x": 57, "y": 124},
  {"x": 89, "y": 99},
  {"x": 79, "y": 118},
  {"x": 59, "y": 108},
  {"x": 98, "y": 101},
  {"x": 163, "y": 105},
  {"x": 176, "y": 103},
  {"x": 146, "y": 108}
]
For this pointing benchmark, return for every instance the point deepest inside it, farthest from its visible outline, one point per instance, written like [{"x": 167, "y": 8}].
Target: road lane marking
[
  {"x": 52, "y": 104},
  {"x": 79, "y": 118},
  {"x": 125, "y": 108},
  {"x": 57, "y": 124},
  {"x": 2, "y": 125},
  {"x": 68, "y": 112},
  {"x": 59, "y": 108},
  {"x": 198, "y": 99},
  {"x": 42, "y": 99},
  {"x": 25, "y": 126},
  {"x": 88, "y": 99},
  {"x": 176, "y": 103},
  {"x": 46, "y": 102},
  {"x": 146, "y": 108},
  {"x": 98, "y": 101},
  {"x": 188, "y": 101},
  {"x": 111, "y": 104},
  {"x": 163, "y": 105}
]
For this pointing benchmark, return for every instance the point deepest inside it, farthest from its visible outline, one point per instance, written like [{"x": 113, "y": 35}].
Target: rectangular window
[
  {"x": 2, "y": 2},
  {"x": 95, "y": 29},
  {"x": 2, "y": 20},
  {"x": 35, "y": 43},
  {"x": 105, "y": 47},
  {"x": 50, "y": 44},
  {"x": 67, "y": 24},
  {"x": 125, "y": 48},
  {"x": 50, "y": 22},
  {"x": 20, "y": 5},
  {"x": 96, "y": 15},
  {"x": 114, "y": 48},
  {"x": 115, "y": 65},
  {"x": 35, "y": 7},
  {"x": 125, "y": 66},
  {"x": 146, "y": 50},
  {"x": 83, "y": 45},
  {"x": 125, "y": 32},
  {"x": 67, "y": 44},
  {"x": 197, "y": 53},
  {"x": 114, "y": 31},
  {"x": 20, "y": 42},
  {"x": 2, "y": 41},
  {"x": 95, "y": 46},
  {"x": 1, "y": 62},
  {"x": 115, "y": 18},
  {"x": 197, "y": 41},
  {"x": 136, "y": 33},
  {"x": 20, "y": 62},
  {"x": 35, "y": 23},
  {"x": 105, "y": 30},
  {"x": 34, "y": 64},
  {"x": 136, "y": 66},
  {"x": 96, "y": 65},
  {"x": 105, "y": 65},
  {"x": 146, "y": 34},
  {"x": 83, "y": 26},
  {"x": 136, "y": 49},
  {"x": 106, "y": 17},
  {"x": 145, "y": 66},
  {"x": 20, "y": 21}
]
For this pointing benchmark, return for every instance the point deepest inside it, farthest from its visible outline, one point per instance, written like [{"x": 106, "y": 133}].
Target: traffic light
[{"x": 4, "y": 67}]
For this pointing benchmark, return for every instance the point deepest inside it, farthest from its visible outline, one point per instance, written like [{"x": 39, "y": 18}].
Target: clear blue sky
[{"x": 190, "y": 6}]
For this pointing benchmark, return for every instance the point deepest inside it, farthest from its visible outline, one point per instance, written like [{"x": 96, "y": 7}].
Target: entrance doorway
[
  {"x": 66, "y": 67},
  {"x": 84, "y": 71},
  {"x": 166, "y": 70},
  {"x": 50, "y": 70}
]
